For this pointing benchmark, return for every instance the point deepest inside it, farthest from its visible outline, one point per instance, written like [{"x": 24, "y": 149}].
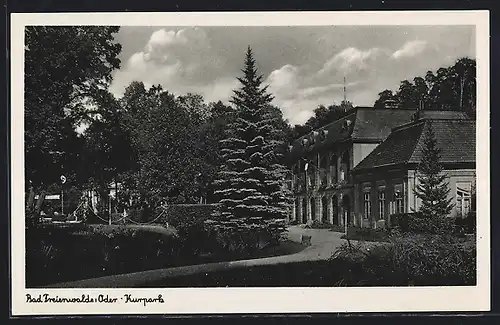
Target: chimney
[{"x": 390, "y": 104}]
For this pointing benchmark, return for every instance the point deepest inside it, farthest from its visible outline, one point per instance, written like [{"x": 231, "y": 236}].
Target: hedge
[
  {"x": 366, "y": 234},
  {"x": 64, "y": 253},
  {"x": 417, "y": 223}
]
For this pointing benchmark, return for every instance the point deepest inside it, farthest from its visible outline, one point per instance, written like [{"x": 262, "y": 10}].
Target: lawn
[{"x": 69, "y": 253}]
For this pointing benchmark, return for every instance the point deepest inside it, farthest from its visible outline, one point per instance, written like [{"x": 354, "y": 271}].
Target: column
[
  {"x": 293, "y": 216},
  {"x": 308, "y": 206},
  {"x": 329, "y": 209},
  {"x": 355, "y": 208},
  {"x": 319, "y": 209},
  {"x": 339, "y": 167},
  {"x": 299, "y": 208},
  {"x": 340, "y": 209},
  {"x": 405, "y": 196}
]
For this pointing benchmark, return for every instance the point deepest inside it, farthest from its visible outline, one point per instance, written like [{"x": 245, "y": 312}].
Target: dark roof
[
  {"x": 378, "y": 123},
  {"x": 363, "y": 124},
  {"x": 456, "y": 138},
  {"x": 443, "y": 115}
]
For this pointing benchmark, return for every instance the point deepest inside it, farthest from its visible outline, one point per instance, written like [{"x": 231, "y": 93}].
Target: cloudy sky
[{"x": 303, "y": 66}]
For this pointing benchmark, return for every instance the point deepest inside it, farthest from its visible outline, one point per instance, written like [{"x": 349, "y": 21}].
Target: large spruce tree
[
  {"x": 250, "y": 185},
  {"x": 433, "y": 188}
]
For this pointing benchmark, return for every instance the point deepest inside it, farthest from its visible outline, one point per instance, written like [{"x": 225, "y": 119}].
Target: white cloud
[
  {"x": 410, "y": 49},
  {"x": 298, "y": 90},
  {"x": 180, "y": 61},
  {"x": 303, "y": 67}
]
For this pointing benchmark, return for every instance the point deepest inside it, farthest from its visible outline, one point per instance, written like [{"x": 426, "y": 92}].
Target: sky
[{"x": 304, "y": 66}]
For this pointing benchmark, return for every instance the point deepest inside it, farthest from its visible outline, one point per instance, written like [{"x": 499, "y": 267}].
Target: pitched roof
[
  {"x": 378, "y": 123},
  {"x": 364, "y": 123},
  {"x": 455, "y": 137},
  {"x": 443, "y": 115}
]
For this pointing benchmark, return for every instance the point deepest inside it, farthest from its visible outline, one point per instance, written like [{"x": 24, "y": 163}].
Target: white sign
[
  {"x": 63, "y": 179},
  {"x": 49, "y": 197}
]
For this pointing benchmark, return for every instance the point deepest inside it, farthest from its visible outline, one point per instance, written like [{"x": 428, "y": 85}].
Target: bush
[
  {"x": 57, "y": 254},
  {"x": 468, "y": 224},
  {"x": 337, "y": 228},
  {"x": 366, "y": 234},
  {"x": 421, "y": 259},
  {"x": 316, "y": 224},
  {"x": 190, "y": 223},
  {"x": 243, "y": 240},
  {"x": 417, "y": 223}
]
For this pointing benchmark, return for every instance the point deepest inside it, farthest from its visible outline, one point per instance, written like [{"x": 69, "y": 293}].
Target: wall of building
[
  {"x": 323, "y": 199},
  {"x": 373, "y": 183},
  {"x": 395, "y": 180},
  {"x": 455, "y": 177},
  {"x": 361, "y": 150}
]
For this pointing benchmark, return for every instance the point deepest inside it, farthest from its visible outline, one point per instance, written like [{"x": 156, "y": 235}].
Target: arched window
[{"x": 324, "y": 209}]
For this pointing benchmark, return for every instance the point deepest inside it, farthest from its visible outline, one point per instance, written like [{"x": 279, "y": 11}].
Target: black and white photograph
[{"x": 174, "y": 163}]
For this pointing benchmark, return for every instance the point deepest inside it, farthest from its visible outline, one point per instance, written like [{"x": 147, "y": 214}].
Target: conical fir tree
[
  {"x": 433, "y": 188},
  {"x": 252, "y": 199}
]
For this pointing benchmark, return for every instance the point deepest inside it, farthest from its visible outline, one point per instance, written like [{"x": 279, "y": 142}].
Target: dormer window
[
  {"x": 346, "y": 125},
  {"x": 304, "y": 142},
  {"x": 323, "y": 134},
  {"x": 314, "y": 135}
]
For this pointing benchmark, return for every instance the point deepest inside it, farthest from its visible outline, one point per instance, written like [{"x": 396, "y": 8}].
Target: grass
[
  {"x": 64, "y": 253},
  {"x": 350, "y": 266}
]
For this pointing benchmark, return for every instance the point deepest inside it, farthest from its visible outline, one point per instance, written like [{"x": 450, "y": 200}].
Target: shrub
[
  {"x": 316, "y": 224},
  {"x": 190, "y": 223},
  {"x": 366, "y": 234},
  {"x": 240, "y": 240},
  {"x": 418, "y": 223},
  {"x": 337, "y": 228},
  {"x": 468, "y": 224},
  {"x": 57, "y": 254},
  {"x": 416, "y": 259}
]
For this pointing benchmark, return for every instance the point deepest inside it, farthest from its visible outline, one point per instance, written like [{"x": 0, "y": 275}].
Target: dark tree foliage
[
  {"x": 250, "y": 185},
  {"x": 322, "y": 116},
  {"x": 382, "y": 98},
  {"x": 65, "y": 67},
  {"x": 449, "y": 88}
]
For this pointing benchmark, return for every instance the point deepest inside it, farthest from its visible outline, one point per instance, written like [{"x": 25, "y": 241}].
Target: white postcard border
[{"x": 256, "y": 300}]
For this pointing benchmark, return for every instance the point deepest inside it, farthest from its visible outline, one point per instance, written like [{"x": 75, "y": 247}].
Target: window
[
  {"x": 312, "y": 179},
  {"x": 398, "y": 198},
  {"x": 463, "y": 198},
  {"x": 381, "y": 203},
  {"x": 323, "y": 177},
  {"x": 333, "y": 169},
  {"x": 367, "y": 203},
  {"x": 345, "y": 165},
  {"x": 323, "y": 160}
]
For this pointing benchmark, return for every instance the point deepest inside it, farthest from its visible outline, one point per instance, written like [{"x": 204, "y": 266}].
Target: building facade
[
  {"x": 323, "y": 160},
  {"x": 385, "y": 181}
]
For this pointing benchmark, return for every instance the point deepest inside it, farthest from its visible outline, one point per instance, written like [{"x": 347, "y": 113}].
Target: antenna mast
[{"x": 345, "y": 91}]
